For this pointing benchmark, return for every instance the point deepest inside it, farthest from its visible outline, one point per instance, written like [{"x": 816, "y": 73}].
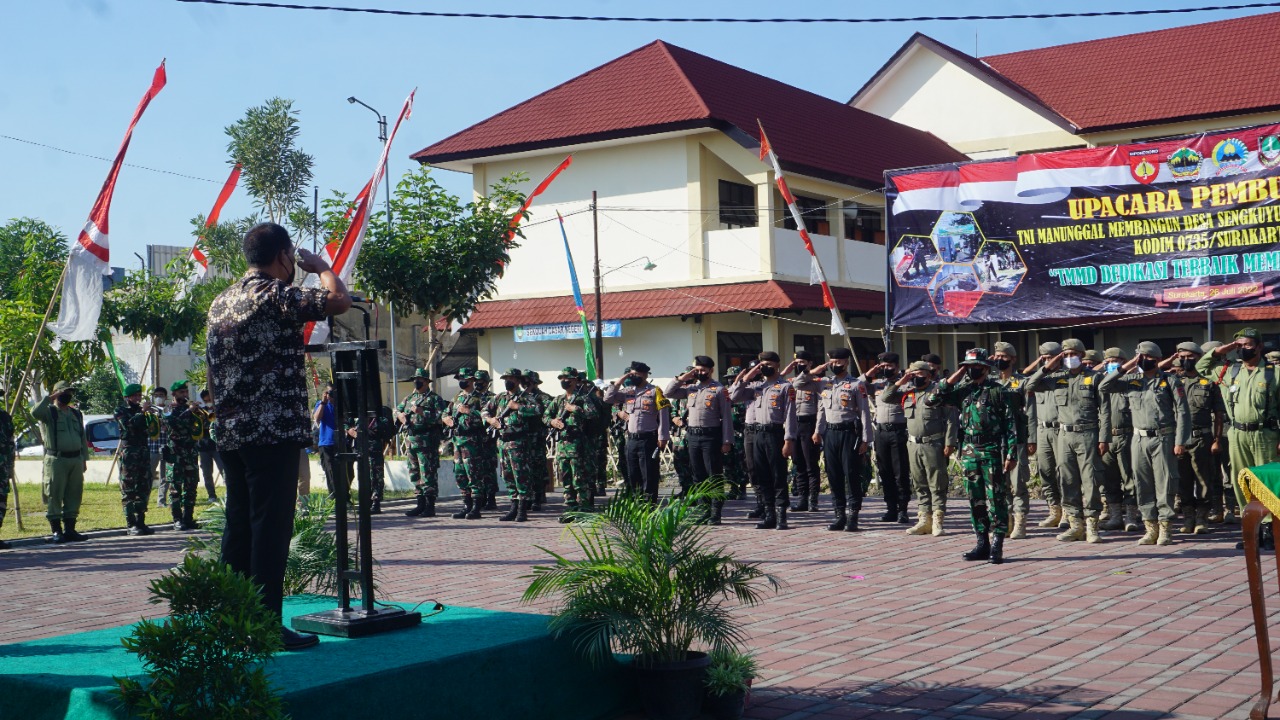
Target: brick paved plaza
[{"x": 875, "y": 625}]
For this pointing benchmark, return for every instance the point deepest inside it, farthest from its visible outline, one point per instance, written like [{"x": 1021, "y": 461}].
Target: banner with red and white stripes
[
  {"x": 90, "y": 256},
  {"x": 343, "y": 258},
  {"x": 816, "y": 275}
]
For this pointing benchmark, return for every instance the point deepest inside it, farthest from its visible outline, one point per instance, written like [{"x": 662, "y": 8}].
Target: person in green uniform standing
[
  {"x": 933, "y": 434},
  {"x": 135, "y": 460},
  {"x": 421, "y": 415},
  {"x": 1003, "y": 357},
  {"x": 735, "y": 467},
  {"x": 66, "y": 457},
  {"x": 7, "y": 450},
  {"x": 680, "y": 436},
  {"x": 1251, "y": 393},
  {"x": 1222, "y": 499},
  {"x": 489, "y": 443},
  {"x": 1198, "y": 469},
  {"x": 517, "y": 419},
  {"x": 988, "y": 450},
  {"x": 570, "y": 417},
  {"x": 183, "y": 450},
  {"x": 1161, "y": 427},
  {"x": 1042, "y": 443},
  {"x": 542, "y": 479},
  {"x": 467, "y": 430},
  {"x": 1117, "y": 464}
]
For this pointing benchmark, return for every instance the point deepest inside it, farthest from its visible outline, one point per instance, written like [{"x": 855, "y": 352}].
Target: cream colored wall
[{"x": 665, "y": 344}]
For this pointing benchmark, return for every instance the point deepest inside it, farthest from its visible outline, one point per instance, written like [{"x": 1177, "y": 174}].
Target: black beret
[
  {"x": 888, "y": 357},
  {"x": 839, "y": 353},
  {"x": 931, "y": 358},
  {"x": 804, "y": 355},
  {"x": 703, "y": 361},
  {"x": 768, "y": 356},
  {"x": 639, "y": 366}
]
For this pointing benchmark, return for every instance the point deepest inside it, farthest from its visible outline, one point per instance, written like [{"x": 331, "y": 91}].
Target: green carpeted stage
[{"x": 461, "y": 663}]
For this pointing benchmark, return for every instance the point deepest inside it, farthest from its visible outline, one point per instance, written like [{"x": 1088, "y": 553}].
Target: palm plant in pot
[
  {"x": 728, "y": 682},
  {"x": 654, "y": 584}
]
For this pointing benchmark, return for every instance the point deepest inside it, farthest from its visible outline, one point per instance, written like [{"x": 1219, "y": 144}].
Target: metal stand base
[{"x": 356, "y": 623}]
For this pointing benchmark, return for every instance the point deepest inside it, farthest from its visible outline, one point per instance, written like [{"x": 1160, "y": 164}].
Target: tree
[
  {"x": 99, "y": 394},
  {"x": 274, "y": 170},
  {"x": 162, "y": 308},
  {"x": 440, "y": 257}
]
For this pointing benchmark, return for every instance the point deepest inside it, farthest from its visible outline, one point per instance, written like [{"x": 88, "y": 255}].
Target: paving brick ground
[{"x": 870, "y": 625}]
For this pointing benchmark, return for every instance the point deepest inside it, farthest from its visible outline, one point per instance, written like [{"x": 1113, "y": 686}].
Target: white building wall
[{"x": 665, "y": 344}]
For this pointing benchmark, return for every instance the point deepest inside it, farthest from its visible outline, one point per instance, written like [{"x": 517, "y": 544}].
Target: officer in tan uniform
[
  {"x": 933, "y": 434},
  {"x": 1043, "y": 441},
  {"x": 1119, "y": 503}
]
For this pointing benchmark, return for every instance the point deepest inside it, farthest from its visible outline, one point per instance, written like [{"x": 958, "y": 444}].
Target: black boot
[
  {"x": 840, "y": 520},
  {"x": 473, "y": 510},
  {"x": 131, "y": 524},
  {"x": 803, "y": 505},
  {"x": 539, "y": 498},
  {"x": 511, "y": 514},
  {"x": 782, "y": 517},
  {"x": 189, "y": 522},
  {"x": 467, "y": 500},
  {"x": 143, "y": 530},
  {"x": 759, "y": 511},
  {"x": 430, "y": 510},
  {"x": 997, "y": 551},
  {"x": 523, "y": 514},
  {"x": 376, "y": 508},
  {"x": 71, "y": 535},
  {"x": 56, "y": 537},
  {"x": 490, "y": 500},
  {"x": 903, "y": 518},
  {"x": 717, "y": 507},
  {"x": 814, "y": 489},
  {"x": 851, "y": 523},
  {"x": 418, "y": 509},
  {"x": 770, "y": 520},
  {"x": 981, "y": 551},
  {"x": 176, "y": 512},
  {"x": 890, "y": 516}
]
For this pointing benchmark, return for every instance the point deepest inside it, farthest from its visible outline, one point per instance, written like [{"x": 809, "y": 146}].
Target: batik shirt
[{"x": 255, "y": 355}]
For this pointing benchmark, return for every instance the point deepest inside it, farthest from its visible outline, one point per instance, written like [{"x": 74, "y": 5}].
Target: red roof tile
[
  {"x": 661, "y": 87},
  {"x": 1210, "y": 69},
  {"x": 671, "y": 302}
]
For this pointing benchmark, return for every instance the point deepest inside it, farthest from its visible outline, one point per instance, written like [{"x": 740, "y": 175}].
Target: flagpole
[{"x": 595, "y": 232}]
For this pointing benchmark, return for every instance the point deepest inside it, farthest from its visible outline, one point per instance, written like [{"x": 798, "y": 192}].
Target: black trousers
[
  {"x": 808, "y": 474},
  {"x": 844, "y": 467},
  {"x": 262, "y": 487},
  {"x": 768, "y": 467},
  {"x": 642, "y": 464},
  {"x": 705, "y": 457},
  {"x": 892, "y": 466}
]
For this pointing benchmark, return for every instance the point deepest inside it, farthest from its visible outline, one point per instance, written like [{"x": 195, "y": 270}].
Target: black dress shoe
[
  {"x": 298, "y": 641},
  {"x": 890, "y": 516}
]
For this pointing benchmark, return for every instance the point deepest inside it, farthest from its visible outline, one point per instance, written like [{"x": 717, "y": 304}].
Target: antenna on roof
[{"x": 975, "y": 43}]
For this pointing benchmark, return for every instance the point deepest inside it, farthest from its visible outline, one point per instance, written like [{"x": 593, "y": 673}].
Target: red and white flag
[
  {"x": 816, "y": 275},
  {"x": 90, "y": 256},
  {"x": 197, "y": 256},
  {"x": 343, "y": 258}
]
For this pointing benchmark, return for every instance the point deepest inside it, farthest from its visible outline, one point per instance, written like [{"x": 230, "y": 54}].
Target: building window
[
  {"x": 916, "y": 349},
  {"x": 814, "y": 344},
  {"x": 814, "y": 212},
  {"x": 863, "y": 223},
  {"x": 737, "y": 204}
]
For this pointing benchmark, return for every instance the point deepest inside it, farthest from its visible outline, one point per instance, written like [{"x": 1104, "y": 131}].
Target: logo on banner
[
  {"x": 1269, "y": 150},
  {"x": 1230, "y": 156},
  {"x": 1184, "y": 164},
  {"x": 1142, "y": 167}
]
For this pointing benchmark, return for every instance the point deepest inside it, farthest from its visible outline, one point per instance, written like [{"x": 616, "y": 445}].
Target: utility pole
[{"x": 595, "y": 239}]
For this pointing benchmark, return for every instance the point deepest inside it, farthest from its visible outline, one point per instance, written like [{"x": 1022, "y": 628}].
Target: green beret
[
  {"x": 178, "y": 385},
  {"x": 1006, "y": 348},
  {"x": 1073, "y": 345},
  {"x": 132, "y": 389},
  {"x": 1150, "y": 349},
  {"x": 1249, "y": 332}
]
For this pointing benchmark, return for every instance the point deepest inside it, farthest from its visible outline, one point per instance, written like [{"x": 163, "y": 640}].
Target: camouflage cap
[
  {"x": 421, "y": 373},
  {"x": 1114, "y": 353},
  {"x": 482, "y": 376},
  {"x": 1150, "y": 349},
  {"x": 132, "y": 389},
  {"x": 463, "y": 373},
  {"x": 1006, "y": 348},
  {"x": 1189, "y": 347},
  {"x": 1073, "y": 345},
  {"x": 1093, "y": 356},
  {"x": 1249, "y": 332},
  {"x": 1050, "y": 348},
  {"x": 732, "y": 370},
  {"x": 976, "y": 356},
  {"x": 533, "y": 377},
  {"x": 1210, "y": 345},
  {"x": 567, "y": 372},
  {"x": 512, "y": 373}
]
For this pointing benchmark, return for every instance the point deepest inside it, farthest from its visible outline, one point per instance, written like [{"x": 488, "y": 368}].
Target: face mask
[
  {"x": 465, "y": 384},
  {"x": 629, "y": 382},
  {"x": 564, "y": 384},
  {"x": 1147, "y": 364},
  {"x": 802, "y": 368},
  {"x": 768, "y": 371},
  {"x": 157, "y": 399},
  {"x": 837, "y": 369},
  {"x": 419, "y": 386},
  {"x": 1003, "y": 364},
  {"x": 511, "y": 385},
  {"x": 975, "y": 373},
  {"x": 1187, "y": 364},
  {"x": 1248, "y": 353},
  {"x": 920, "y": 382},
  {"x": 1113, "y": 366},
  {"x": 1072, "y": 362}
]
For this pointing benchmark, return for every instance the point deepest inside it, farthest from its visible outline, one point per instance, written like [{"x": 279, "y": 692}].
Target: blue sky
[{"x": 75, "y": 69}]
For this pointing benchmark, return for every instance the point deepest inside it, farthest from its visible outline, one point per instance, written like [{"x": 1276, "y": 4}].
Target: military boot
[
  {"x": 803, "y": 505},
  {"x": 1112, "y": 517},
  {"x": 1231, "y": 516},
  {"x": 1165, "y": 536},
  {"x": 1202, "y": 521},
  {"x": 511, "y": 514},
  {"x": 815, "y": 488},
  {"x": 538, "y": 497},
  {"x": 717, "y": 508},
  {"x": 56, "y": 537},
  {"x": 839, "y": 522},
  {"x": 980, "y": 551},
  {"x": 188, "y": 519},
  {"x": 1018, "y": 529},
  {"x": 70, "y": 534},
  {"x": 903, "y": 518},
  {"x": 1133, "y": 519},
  {"x": 430, "y": 510},
  {"x": 1215, "y": 515},
  {"x": 1075, "y": 529},
  {"x": 851, "y": 520},
  {"x": 782, "y": 517},
  {"x": 131, "y": 524},
  {"x": 759, "y": 511},
  {"x": 938, "y": 529},
  {"x": 770, "y": 520},
  {"x": 1055, "y": 515},
  {"x": 473, "y": 510},
  {"x": 490, "y": 500},
  {"x": 143, "y": 530},
  {"x": 467, "y": 500},
  {"x": 1091, "y": 530},
  {"x": 376, "y": 507},
  {"x": 997, "y": 551},
  {"x": 1188, "y": 520},
  {"x": 1153, "y": 533},
  {"x": 924, "y": 524},
  {"x": 523, "y": 514},
  {"x": 176, "y": 512},
  {"x": 419, "y": 509}
]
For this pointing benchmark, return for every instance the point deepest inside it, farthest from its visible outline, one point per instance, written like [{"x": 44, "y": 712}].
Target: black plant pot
[
  {"x": 729, "y": 706},
  {"x": 674, "y": 690}
]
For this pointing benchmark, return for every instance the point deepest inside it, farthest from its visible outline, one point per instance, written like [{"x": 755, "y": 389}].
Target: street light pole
[
  {"x": 391, "y": 308},
  {"x": 595, "y": 239}
]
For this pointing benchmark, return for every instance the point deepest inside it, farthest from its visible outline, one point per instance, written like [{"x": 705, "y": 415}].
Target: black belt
[
  {"x": 1202, "y": 432},
  {"x": 706, "y": 431},
  {"x": 1158, "y": 432},
  {"x": 1247, "y": 427},
  {"x": 1078, "y": 428},
  {"x": 851, "y": 425},
  {"x": 1121, "y": 431},
  {"x": 926, "y": 439},
  {"x": 1048, "y": 424},
  {"x": 64, "y": 454},
  {"x": 642, "y": 435},
  {"x": 764, "y": 427},
  {"x": 890, "y": 427},
  {"x": 802, "y": 419}
]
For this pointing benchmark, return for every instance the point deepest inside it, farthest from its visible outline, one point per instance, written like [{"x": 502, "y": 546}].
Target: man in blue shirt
[{"x": 325, "y": 420}]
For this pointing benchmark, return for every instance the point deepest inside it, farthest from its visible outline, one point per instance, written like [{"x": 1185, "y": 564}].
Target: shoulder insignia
[{"x": 1203, "y": 381}]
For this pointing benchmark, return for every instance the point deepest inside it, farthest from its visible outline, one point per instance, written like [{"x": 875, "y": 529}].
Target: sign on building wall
[
  {"x": 565, "y": 331},
  {"x": 1187, "y": 223}
]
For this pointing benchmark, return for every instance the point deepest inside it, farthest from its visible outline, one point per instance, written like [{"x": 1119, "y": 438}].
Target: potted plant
[
  {"x": 652, "y": 583},
  {"x": 728, "y": 681}
]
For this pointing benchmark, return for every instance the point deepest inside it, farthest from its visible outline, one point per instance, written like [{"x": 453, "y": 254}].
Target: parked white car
[{"x": 102, "y": 430}]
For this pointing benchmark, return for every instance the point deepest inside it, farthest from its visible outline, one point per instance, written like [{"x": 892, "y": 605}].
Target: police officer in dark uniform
[
  {"x": 892, "y": 464},
  {"x": 648, "y": 426},
  {"x": 842, "y": 431},
  {"x": 806, "y": 461},
  {"x": 771, "y": 433},
  {"x": 709, "y": 431}
]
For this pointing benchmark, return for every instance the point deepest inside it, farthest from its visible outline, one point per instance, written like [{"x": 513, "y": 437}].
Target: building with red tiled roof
[{"x": 697, "y": 254}]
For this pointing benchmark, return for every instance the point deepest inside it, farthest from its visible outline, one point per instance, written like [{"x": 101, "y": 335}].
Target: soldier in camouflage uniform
[
  {"x": 517, "y": 418},
  {"x": 420, "y": 414},
  {"x": 183, "y": 449},
  {"x": 462, "y": 417},
  {"x": 7, "y": 450},
  {"x": 989, "y": 449},
  {"x": 571, "y": 418},
  {"x": 735, "y": 469},
  {"x": 489, "y": 444},
  {"x": 135, "y": 460},
  {"x": 598, "y": 432},
  {"x": 382, "y": 430},
  {"x": 542, "y": 466}
]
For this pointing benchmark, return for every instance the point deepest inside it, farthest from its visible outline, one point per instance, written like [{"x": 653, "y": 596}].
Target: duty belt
[
  {"x": 642, "y": 435},
  {"x": 705, "y": 431},
  {"x": 851, "y": 425},
  {"x": 1121, "y": 431},
  {"x": 764, "y": 427},
  {"x": 890, "y": 427},
  {"x": 1077, "y": 428},
  {"x": 1201, "y": 432},
  {"x": 1247, "y": 427},
  {"x": 1158, "y": 432},
  {"x": 1048, "y": 424},
  {"x": 925, "y": 439},
  {"x": 806, "y": 419},
  {"x": 64, "y": 454}
]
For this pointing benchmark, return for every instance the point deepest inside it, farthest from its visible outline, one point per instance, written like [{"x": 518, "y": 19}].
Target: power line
[
  {"x": 105, "y": 159},
  {"x": 822, "y": 20}
]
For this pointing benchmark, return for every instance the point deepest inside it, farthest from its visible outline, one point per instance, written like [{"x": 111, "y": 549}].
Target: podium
[{"x": 358, "y": 397}]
